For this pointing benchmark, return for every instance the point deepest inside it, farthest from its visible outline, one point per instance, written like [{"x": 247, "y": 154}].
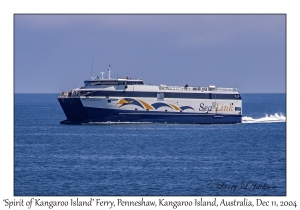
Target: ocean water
[{"x": 247, "y": 159}]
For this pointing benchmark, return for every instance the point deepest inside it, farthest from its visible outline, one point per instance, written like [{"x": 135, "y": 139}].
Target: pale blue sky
[{"x": 55, "y": 53}]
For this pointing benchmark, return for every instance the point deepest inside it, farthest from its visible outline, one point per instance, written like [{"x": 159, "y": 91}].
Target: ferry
[{"x": 126, "y": 100}]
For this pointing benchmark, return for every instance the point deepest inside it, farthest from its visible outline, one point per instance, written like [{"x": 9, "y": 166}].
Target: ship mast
[{"x": 109, "y": 69}]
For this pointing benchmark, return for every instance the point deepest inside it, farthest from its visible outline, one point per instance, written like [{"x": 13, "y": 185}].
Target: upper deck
[
  {"x": 98, "y": 81},
  {"x": 197, "y": 88},
  {"x": 110, "y": 85}
]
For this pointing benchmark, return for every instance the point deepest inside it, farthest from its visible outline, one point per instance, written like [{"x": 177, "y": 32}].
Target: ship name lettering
[
  {"x": 224, "y": 108},
  {"x": 205, "y": 108}
]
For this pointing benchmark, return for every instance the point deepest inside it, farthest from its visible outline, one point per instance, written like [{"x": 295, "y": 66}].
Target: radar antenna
[
  {"x": 109, "y": 69},
  {"x": 102, "y": 74}
]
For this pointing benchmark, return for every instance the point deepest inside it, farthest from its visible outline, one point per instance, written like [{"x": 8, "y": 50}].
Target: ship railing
[
  {"x": 68, "y": 96},
  {"x": 63, "y": 95},
  {"x": 227, "y": 89},
  {"x": 75, "y": 93},
  {"x": 193, "y": 88}
]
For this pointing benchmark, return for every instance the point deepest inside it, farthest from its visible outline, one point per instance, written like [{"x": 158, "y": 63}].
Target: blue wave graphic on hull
[
  {"x": 160, "y": 104},
  {"x": 186, "y": 107}
]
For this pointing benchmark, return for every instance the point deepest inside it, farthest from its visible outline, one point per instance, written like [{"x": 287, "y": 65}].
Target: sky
[{"x": 55, "y": 53}]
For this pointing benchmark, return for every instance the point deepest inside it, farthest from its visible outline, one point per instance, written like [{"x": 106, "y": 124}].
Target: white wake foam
[{"x": 266, "y": 119}]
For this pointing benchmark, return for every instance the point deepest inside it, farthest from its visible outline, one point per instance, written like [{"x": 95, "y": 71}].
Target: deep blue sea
[{"x": 149, "y": 159}]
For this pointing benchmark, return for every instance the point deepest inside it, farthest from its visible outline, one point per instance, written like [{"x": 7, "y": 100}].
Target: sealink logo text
[
  {"x": 224, "y": 108},
  {"x": 205, "y": 108}
]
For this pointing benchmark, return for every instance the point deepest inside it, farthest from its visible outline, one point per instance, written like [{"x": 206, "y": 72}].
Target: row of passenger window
[{"x": 92, "y": 83}]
